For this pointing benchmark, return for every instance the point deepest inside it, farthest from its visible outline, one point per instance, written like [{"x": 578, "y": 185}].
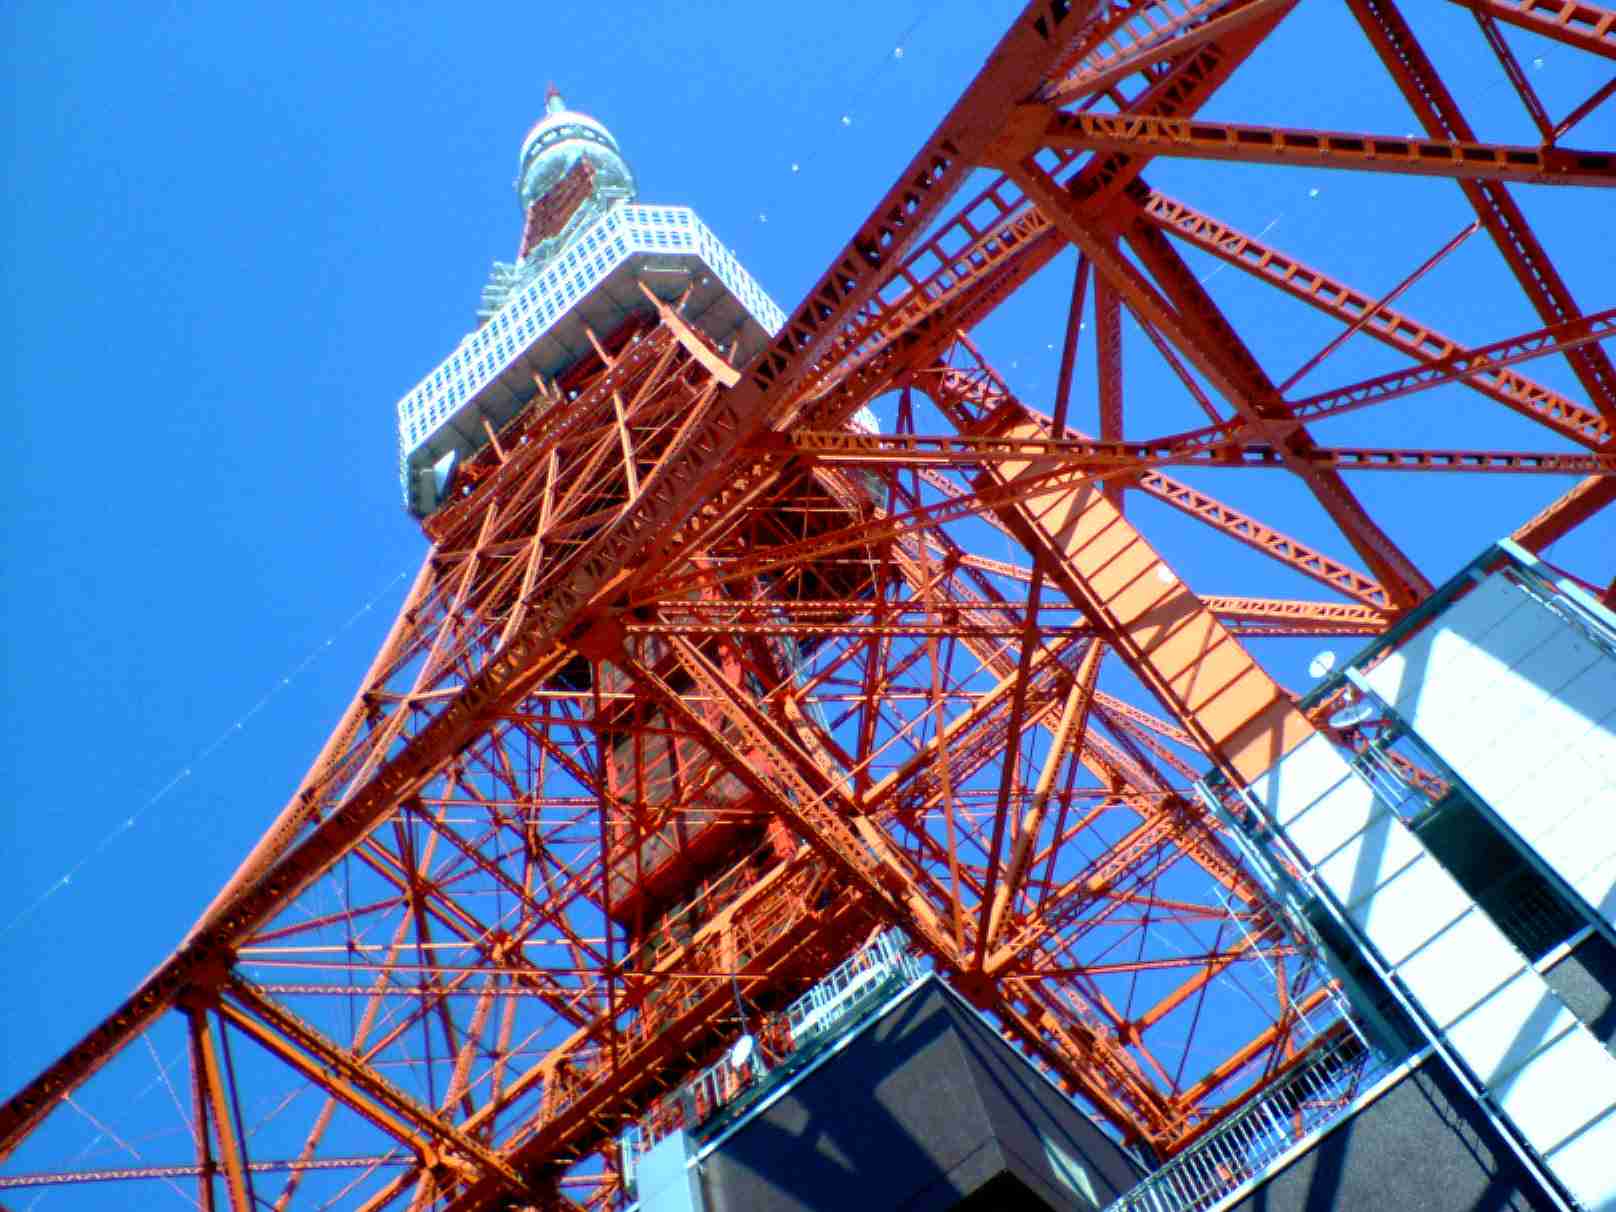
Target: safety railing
[
  {"x": 1247, "y": 1144},
  {"x": 783, "y": 1042},
  {"x": 831, "y": 999}
]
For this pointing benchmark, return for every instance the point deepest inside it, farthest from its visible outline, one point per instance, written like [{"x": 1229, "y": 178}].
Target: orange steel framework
[{"x": 701, "y": 685}]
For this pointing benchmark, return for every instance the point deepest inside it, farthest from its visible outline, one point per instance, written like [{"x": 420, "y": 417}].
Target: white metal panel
[
  {"x": 1566, "y": 653},
  {"x": 1369, "y": 859},
  {"x": 1508, "y": 641},
  {"x": 1598, "y": 886},
  {"x": 1299, "y": 778},
  {"x": 1486, "y": 605},
  {"x": 1340, "y": 814},
  {"x": 1592, "y": 693},
  {"x": 1409, "y": 911},
  {"x": 1581, "y": 840},
  {"x": 1494, "y": 769},
  {"x": 1586, "y": 1164},
  {"x": 1392, "y": 673},
  {"x": 1457, "y": 707},
  {"x": 1462, "y": 717},
  {"x": 666, "y": 1180},
  {"x": 1566, "y": 1087},
  {"x": 1400, "y": 677},
  {"x": 1460, "y": 967},
  {"x": 1452, "y": 675},
  {"x": 1550, "y": 727},
  {"x": 1509, "y": 1027},
  {"x": 1596, "y": 748}
]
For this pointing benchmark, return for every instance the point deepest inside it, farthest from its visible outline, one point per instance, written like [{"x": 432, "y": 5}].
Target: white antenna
[
  {"x": 1321, "y": 665},
  {"x": 1354, "y": 713}
]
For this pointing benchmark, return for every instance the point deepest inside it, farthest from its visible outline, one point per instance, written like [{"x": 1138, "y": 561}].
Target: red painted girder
[
  {"x": 1078, "y": 534},
  {"x": 918, "y": 628},
  {"x": 1142, "y": 738},
  {"x": 1045, "y": 31},
  {"x": 814, "y": 801},
  {"x": 61, "y": 1178},
  {"x": 1171, "y": 822},
  {"x": 1196, "y": 74},
  {"x": 1329, "y": 617},
  {"x": 842, "y": 448},
  {"x": 988, "y": 235},
  {"x": 1562, "y": 516},
  {"x": 1273, "y": 543},
  {"x": 775, "y": 922},
  {"x": 1204, "y": 334},
  {"x": 1179, "y": 94},
  {"x": 1238, "y": 525},
  {"x": 851, "y": 448},
  {"x": 1517, "y": 77},
  {"x": 1515, "y": 462},
  {"x": 1149, "y": 38},
  {"x": 998, "y": 240},
  {"x": 1108, "y": 357},
  {"x": 1393, "y": 328},
  {"x": 1589, "y": 27},
  {"x": 1587, "y": 106},
  {"x": 1143, "y": 718},
  {"x": 1242, "y": 616},
  {"x": 1217, "y": 959},
  {"x": 358, "y": 1084},
  {"x": 1197, "y": 139},
  {"x": 1231, "y": 521},
  {"x": 1439, "y": 113},
  {"x": 1461, "y": 364},
  {"x": 995, "y": 232}
]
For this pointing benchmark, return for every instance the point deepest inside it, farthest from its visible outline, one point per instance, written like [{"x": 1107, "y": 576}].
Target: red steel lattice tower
[{"x": 706, "y": 679}]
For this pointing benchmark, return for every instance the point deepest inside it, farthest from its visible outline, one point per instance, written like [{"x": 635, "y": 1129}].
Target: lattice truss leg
[{"x": 706, "y": 678}]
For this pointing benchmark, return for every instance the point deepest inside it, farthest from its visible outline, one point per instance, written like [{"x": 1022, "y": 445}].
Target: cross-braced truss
[{"x": 714, "y": 672}]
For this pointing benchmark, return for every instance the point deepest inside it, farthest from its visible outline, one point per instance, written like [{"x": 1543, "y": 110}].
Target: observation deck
[{"x": 591, "y": 287}]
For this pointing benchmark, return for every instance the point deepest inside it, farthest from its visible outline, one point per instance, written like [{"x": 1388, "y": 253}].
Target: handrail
[{"x": 1254, "y": 1138}]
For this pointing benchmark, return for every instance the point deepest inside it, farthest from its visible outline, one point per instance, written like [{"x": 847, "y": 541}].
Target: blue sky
[{"x": 236, "y": 236}]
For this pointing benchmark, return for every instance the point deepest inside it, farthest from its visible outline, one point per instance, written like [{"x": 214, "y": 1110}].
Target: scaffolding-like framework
[{"x": 705, "y": 682}]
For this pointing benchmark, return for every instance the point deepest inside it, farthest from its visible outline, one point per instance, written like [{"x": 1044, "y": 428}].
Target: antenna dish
[
  {"x": 741, "y": 1053},
  {"x": 1354, "y": 713},
  {"x": 1321, "y": 664}
]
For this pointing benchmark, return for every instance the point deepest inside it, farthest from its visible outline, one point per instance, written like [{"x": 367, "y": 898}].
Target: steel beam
[
  {"x": 1393, "y": 328},
  {"x": 1589, "y": 27},
  {"x": 1195, "y": 139},
  {"x": 1435, "y": 107}
]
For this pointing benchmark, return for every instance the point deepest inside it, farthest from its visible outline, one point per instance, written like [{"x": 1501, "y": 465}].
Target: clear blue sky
[{"x": 237, "y": 234}]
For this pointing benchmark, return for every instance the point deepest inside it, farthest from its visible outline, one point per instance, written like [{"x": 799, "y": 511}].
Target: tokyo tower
[{"x": 768, "y": 665}]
